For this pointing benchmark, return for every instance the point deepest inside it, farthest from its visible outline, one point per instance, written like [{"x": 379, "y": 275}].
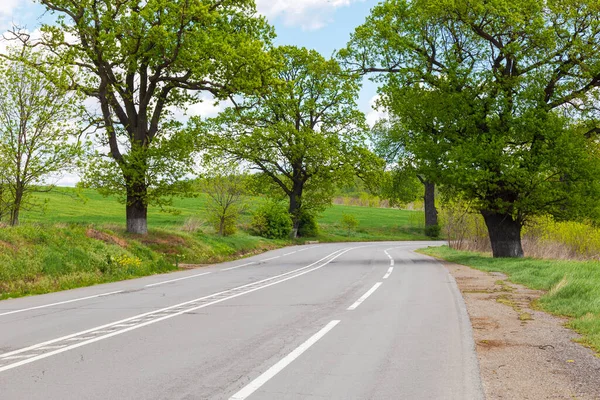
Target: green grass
[
  {"x": 66, "y": 205},
  {"x": 79, "y": 239},
  {"x": 572, "y": 287}
]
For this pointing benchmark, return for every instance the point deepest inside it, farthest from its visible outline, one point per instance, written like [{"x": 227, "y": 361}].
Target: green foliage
[
  {"x": 573, "y": 286},
  {"x": 497, "y": 120},
  {"x": 433, "y": 231},
  {"x": 142, "y": 60},
  {"x": 308, "y": 226},
  {"x": 226, "y": 189},
  {"x": 272, "y": 220},
  {"x": 304, "y": 133},
  {"x": 38, "y": 133},
  {"x": 349, "y": 222}
]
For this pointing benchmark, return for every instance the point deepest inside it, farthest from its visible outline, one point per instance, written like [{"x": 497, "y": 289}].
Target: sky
[{"x": 323, "y": 25}]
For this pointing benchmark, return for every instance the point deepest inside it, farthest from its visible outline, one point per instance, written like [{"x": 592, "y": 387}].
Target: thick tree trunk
[
  {"x": 431, "y": 214},
  {"x": 505, "y": 234},
  {"x": 137, "y": 209},
  {"x": 294, "y": 209}
]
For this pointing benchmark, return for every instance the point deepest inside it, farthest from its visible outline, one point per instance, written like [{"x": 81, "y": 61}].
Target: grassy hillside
[{"x": 79, "y": 239}]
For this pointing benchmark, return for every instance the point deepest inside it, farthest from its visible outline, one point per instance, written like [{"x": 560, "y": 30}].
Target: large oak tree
[
  {"x": 140, "y": 60},
  {"x": 508, "y": 86},
  {"x": 305, "y": 133}
]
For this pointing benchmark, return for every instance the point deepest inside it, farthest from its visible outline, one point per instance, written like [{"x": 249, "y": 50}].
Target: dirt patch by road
[{"x": 523, "y": 353}]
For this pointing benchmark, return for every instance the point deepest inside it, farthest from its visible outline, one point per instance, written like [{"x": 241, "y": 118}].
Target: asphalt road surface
[{"x": 328, "y": 321}]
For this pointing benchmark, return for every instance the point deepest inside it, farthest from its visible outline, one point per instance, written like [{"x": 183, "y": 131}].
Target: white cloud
[
  {"x": 308, "y": 14},
  {"x": 376, "y": 112},
  {"x": 8, "y": 7}
]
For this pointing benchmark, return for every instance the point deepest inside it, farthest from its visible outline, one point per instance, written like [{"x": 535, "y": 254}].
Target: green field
[
  {"x": 67, "y": 205},
  {"x": 79, "y": 239},
  {"x": 572, "y": 287}
]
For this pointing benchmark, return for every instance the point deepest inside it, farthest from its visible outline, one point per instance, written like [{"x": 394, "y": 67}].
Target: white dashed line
[
  {"x": 237, "y": 266},
  {"x": 59, "y": 303},
  {"x": 364, "y": 297},
  {"x": 269, "y": 259},
  {"x": 284, "y": 362},
  {"x": 178, "y": 279},
  {"x": 388, "y": 273}
]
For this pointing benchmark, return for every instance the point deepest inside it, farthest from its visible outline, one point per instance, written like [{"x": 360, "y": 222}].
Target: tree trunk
[
  {"x": 431, "y": 214},
  {"x": 505, "y": 234},
  {"x": 137, "y": 209},
  {"x": 221, "y": 226},
  {"x": 294, "y": 209},
  {"x": 16, "y": 208}
]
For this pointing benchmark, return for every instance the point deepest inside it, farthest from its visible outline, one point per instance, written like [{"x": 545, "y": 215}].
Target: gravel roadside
[{"x": 523, "y": 353}]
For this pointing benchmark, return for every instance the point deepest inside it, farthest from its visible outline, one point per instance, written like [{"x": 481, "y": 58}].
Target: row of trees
[
  {"x": 493, "y": 101},
  {"x": 293, "y": 114}
]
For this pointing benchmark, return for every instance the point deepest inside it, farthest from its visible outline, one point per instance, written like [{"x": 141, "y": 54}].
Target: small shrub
[
  {"x": 433, "y": 231},
  {"x": 308, "y": 226},
  {"x": 349, "y": 222},
  {"x": 272, "y": 221},
  {"x": 192, "y": 225}
]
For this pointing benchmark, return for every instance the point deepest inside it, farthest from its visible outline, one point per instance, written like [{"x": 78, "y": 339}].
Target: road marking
[
  {"x": 290, "y": 253},
  {"x": 14, "y": 357},
  {"x": 59, "y": 303},
  {"x": 178, "y": 279},
  {"x": 364, "y": 297},
  {"x": 389, "y": 272},
  {"x": 391, "y": 262},
  {"x": 284, "y": 362},
  {"x": 51, "y": 347},
  {"x": 269, "y": 259},
  {"x": 237, "y": 266},
  {"x": 307, "y": 248},
  {"x": 130, "y": 323}
]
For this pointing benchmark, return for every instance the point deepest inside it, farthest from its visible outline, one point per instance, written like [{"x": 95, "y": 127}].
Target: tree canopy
[
  {"x": 305, "y": 132},
  {"x": 499, "y": 97},
  {"x": 139, "y": 61}
]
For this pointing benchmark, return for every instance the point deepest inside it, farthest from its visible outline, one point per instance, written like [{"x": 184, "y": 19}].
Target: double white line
[{"x": 62, "y": 344}]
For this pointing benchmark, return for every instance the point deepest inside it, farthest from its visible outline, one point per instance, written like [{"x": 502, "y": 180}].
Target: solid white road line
[
  {"x": 237, "y": 266},
  {"x": 134, "y": 325},
  {"x": 364, "y": 297},
  {"x": 284, "y": 362},
  {"x": 178, "y": 279},
  {"x": 388, "y": 273},
  {"x": 269, "y": 259},
  {"x": 14, "y": 357},
  {"x": 59, "y": 303}
]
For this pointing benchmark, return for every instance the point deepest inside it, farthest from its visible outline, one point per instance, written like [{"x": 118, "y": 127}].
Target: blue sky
[{"x": 324, "y": 25}]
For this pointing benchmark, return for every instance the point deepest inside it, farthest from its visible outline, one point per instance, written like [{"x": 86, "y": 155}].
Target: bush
[
  {"x": 272, "y": 221},
  {"x": 308, "y": 226},
  {"x": 433, "y": 231},
  {"x": 349, "y": 222}
]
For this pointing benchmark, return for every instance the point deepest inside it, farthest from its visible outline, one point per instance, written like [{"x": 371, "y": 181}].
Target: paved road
[{"x": 332, "y": 321}]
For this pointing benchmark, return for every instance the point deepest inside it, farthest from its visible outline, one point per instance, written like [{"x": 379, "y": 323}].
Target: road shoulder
[{"x": 523, "y": 353}]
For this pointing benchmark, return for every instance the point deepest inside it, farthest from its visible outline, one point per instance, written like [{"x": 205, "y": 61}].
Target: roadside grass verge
[
  {"x": 572, "y": 287},
  {"x": 43, "y": 258},
  {"x": 79, "y": 239}
]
